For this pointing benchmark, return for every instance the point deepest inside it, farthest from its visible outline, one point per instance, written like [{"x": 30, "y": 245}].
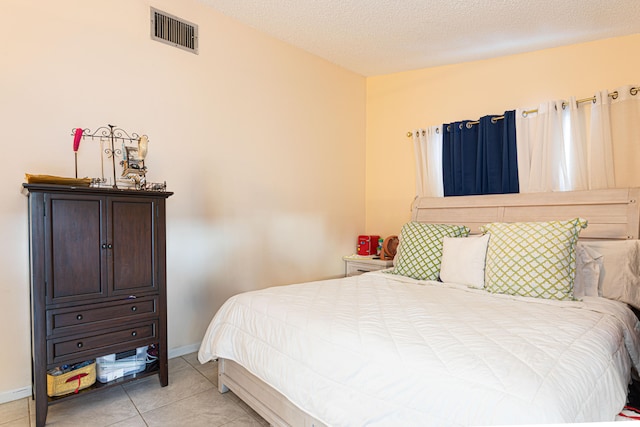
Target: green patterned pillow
[
  {"x": 534, "y": 259},
  {"x": 420, "y": 249}
]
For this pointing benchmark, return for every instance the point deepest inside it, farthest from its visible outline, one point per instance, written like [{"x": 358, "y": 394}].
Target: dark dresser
[{"x": 98, "y": 280}]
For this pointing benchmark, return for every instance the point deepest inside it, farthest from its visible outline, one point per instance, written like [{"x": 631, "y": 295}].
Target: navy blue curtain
[
  {"x": 459, "y": 143},
  {"x": 480, "y": 158}
]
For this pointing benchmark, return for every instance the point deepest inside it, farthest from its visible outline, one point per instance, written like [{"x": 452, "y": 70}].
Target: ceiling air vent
[{"x": 172, "y": 30}]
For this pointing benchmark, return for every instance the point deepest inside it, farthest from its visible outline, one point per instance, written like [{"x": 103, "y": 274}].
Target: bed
[{"x": 389, "y": 349}]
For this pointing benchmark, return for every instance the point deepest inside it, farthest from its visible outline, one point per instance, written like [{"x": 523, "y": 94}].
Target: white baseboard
[
  {"x": 11, "y": 395},
  {"x": 185, "y": 349}
]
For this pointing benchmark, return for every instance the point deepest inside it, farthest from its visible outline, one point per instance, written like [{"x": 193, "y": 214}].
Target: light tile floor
[{"x": 190, "y": 399}]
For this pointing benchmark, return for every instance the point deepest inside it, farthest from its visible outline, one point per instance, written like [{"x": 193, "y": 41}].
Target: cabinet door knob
[
  {"x": 134, "y": 334},
  {"x": 104, "y": 246},
  {"x": 134, "y": 308},
  {"x": 110, "y": 246},
  {"x": 79, "y": 317},
  {"x": 79, "y": 345}
]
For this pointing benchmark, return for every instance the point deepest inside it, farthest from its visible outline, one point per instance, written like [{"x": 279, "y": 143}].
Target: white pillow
[
  {"x": 588, "y": 267},
  {"x": 463, "y": 260},
  {"x": 620, "y": 274}
]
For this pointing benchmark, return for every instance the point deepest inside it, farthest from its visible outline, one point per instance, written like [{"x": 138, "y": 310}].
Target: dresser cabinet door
[
  {"x": 74, "y": 258},
  {"x": 99, "y": 246},
  {"x": 133, "y": 233}
]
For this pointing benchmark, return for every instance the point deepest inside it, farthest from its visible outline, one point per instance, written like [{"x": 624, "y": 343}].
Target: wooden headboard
[{"x": 612, "y": 214}]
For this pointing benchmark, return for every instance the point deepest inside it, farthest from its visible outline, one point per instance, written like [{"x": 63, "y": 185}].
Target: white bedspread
[{"x": 378, "y": 349}]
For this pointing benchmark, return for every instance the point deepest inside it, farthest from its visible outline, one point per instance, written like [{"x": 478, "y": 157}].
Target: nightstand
[{"x": 354, "y": 265}]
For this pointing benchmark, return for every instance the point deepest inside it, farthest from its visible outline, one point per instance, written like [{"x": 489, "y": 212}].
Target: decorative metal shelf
[{"x": 132, "y": 153}]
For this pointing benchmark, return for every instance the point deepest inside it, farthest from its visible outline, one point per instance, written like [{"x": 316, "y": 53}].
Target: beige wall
[
  {"x": 401, "y": 102},
  {"x": 262, "y": 143}
]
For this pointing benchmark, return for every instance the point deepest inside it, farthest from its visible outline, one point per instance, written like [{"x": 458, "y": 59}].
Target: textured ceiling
[{"x": 374, "y": 37}]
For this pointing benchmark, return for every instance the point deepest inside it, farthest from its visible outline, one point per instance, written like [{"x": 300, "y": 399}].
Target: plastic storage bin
[{"x": 114, "y": 366}]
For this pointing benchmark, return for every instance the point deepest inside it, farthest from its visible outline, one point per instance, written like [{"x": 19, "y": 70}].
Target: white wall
[{"x": 263, "y": 145}]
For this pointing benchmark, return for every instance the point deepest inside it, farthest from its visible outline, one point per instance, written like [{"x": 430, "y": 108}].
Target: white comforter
[{"x": 379, "y": 349}]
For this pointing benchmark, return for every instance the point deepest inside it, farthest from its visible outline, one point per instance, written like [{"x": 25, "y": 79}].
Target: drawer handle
[
  {"x": 79, "y": 345},
  {"x": 79, "y": 317},
  {"x": 134, "y": 308},
  {"x": 134, "y": 333}
]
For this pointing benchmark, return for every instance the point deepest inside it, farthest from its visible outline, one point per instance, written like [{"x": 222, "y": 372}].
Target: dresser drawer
[
  {"x": 88, "y": 346},
  {"x": 89, "y": 317},
  {"x": 354, "y": 267}
]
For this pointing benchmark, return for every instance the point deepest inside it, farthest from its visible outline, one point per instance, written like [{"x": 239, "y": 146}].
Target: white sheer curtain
[
  {"x": 599, "y": 142},
  {"x": 427, "y": 146},
  {"x": 578, "y": 145},
  {"x": 542, "y": 160},
  {"x": 574, "y": 133},
  {"x": 625, "y": 136}
]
